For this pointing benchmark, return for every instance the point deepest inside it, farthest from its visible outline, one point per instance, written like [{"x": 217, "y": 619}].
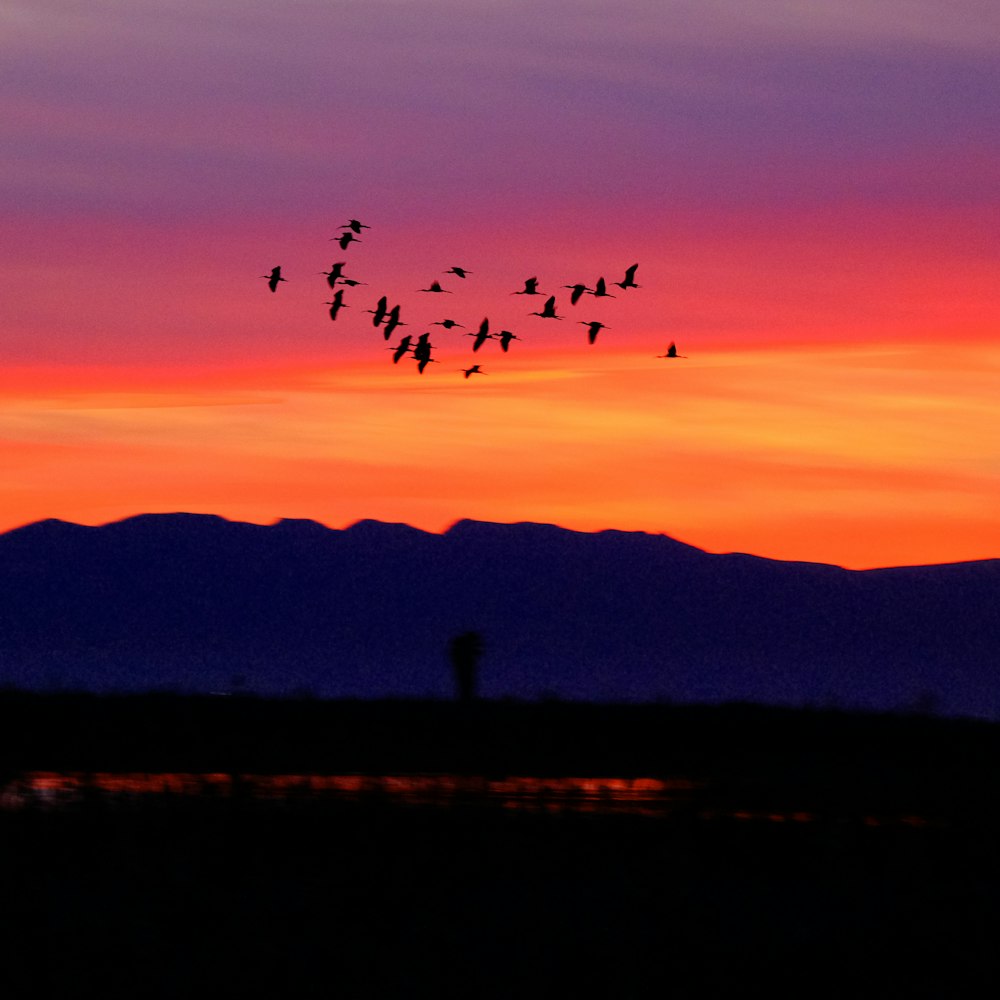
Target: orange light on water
[
  {"x": 641, "y": 796},
  {"x": 579, "y": 793}
]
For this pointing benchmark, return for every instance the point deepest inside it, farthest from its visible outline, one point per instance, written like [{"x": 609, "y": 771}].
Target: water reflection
[
  {"x": 571, "y": 793},
  {"x": 637, "y": 796}
]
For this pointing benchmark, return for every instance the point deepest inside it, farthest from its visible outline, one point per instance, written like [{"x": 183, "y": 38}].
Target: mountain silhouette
[{"x": 187, "y": 602}]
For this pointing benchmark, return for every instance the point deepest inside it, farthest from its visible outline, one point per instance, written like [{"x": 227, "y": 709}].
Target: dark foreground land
[{"x": 820, "y": 852}]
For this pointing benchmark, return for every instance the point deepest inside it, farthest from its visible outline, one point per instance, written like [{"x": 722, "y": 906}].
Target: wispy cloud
[{"x": 697, "y": 448}]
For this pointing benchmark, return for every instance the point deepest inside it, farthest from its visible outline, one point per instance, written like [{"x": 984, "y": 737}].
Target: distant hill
[{"x": 197, "y": 603}]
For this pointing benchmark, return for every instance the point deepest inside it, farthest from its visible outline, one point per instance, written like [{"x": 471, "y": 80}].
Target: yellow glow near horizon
[{"x": 859, "y": 455}]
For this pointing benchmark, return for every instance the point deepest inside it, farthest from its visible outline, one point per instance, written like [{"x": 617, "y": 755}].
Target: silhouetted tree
[{"x": 464, "y": 651}]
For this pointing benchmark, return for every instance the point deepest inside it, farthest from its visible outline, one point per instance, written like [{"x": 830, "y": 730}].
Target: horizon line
[{"x": 471, "y": 520}]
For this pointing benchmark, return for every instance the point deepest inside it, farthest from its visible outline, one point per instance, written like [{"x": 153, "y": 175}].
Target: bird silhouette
[
  {"x": 505, "y": 337},
  {"x": 378, "y": 313},
  {"x": 435, "y": 287},
  {"x": 593, "y": 329},
  {"x": 422, "y": 352},
  {"x": 482, "y": 335},
  {"x": 601, "y": 290},
  {"x": 578, "y": 290},
  {"x": 273, "y": 278},
  {"x": 337, "y": 303},
  {"x": 447, "y": 323},
  {"x": 548, "y": 310},
  {"x": 460, "y": 271},
  {"x": 354, "y": 226},
  {"x": 474, "y": 370},
  {"x": 346, "y": 239},
  {"x": 629, "y": 279},
  {"x": 392, "y": 322},
  {"x": 352, "y": 282},
  {"x": 334, "y": 273},
  {"x": 530, "y": 287},
  {"x": 400, "y": 349},
  {"x": 671, "y": 352}
]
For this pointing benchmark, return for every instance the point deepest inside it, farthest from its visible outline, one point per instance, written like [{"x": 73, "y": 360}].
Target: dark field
[{"x": 817, "y": 852}]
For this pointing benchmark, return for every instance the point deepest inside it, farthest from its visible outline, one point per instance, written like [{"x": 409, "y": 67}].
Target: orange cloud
[{"x": 860, "y": 456}]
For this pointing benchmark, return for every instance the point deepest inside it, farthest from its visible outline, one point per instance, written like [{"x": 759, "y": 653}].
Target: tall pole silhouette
[{"x": 464, "y": 651}]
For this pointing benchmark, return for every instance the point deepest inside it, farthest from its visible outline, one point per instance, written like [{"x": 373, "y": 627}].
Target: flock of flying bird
[{"x": 387, "y": 319}]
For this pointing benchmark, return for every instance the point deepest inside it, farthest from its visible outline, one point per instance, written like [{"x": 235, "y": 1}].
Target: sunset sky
[{"x": 812, "y": 193}]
